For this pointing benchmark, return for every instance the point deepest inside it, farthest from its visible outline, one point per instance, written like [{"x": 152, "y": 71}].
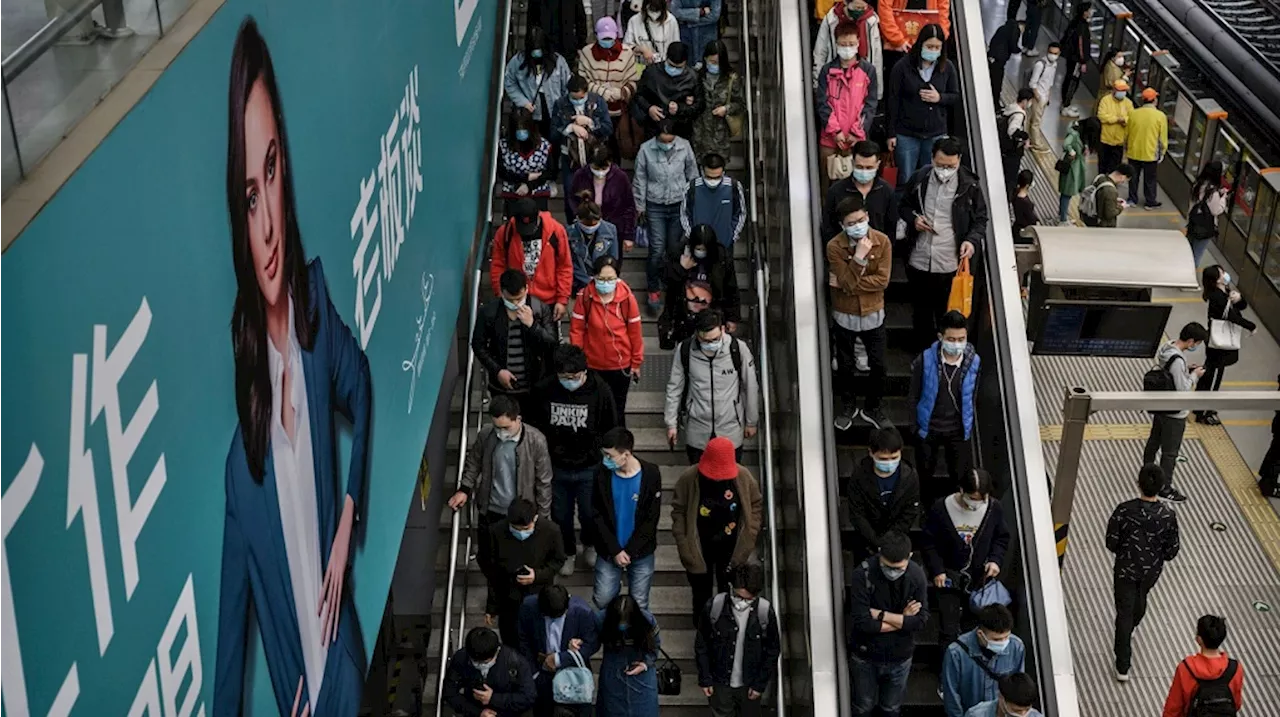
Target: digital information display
[{"x": 1119, "y": 329}]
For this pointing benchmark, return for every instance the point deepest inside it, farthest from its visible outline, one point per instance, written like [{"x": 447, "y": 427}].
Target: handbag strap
[{"x": 577, "y": 658}]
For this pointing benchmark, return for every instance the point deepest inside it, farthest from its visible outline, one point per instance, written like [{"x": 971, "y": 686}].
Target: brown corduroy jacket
[
  {"x": 684, "y": 519},
  {"x": 858, "y": 289}
]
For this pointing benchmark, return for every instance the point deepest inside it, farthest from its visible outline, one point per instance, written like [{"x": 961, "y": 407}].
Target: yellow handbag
[{"x": 961, "y": 290}]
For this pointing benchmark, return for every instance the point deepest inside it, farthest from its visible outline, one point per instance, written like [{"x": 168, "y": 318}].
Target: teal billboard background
[{"x": 118, "y": 376}]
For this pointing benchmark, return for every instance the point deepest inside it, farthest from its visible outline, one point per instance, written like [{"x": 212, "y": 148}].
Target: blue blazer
[
  {"x": 254, "y": 563},
  {"x": 579, "y": 622}
]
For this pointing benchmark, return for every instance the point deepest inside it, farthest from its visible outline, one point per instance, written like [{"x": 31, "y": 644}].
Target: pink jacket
[{"x": 842, "y": 101}]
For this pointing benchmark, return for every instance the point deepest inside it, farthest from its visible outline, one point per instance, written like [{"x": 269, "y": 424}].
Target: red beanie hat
[{"x": 718, "y": 461}]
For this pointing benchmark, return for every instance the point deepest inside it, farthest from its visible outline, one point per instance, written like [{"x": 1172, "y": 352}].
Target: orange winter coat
[{"x": 901, "y": 20}]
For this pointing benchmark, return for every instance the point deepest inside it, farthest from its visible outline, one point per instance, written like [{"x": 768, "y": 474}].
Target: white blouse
[{"x": 664, "y": 33}]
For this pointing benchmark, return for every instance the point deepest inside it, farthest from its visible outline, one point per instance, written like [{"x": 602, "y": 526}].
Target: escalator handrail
[
  {"x": 1036, "y": 529},
  {"x": 477, "y": 260},
  {"x": 762, "y": 350},
  {"x": 1235, "y": 34}
]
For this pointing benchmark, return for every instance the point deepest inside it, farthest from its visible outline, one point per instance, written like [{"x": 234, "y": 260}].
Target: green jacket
[
  {"x": 1072, "y": 182},
  {"x": 711, "y": 133}
]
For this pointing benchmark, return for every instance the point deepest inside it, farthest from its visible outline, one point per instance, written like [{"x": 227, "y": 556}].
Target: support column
[{"x": 1075, "y": 418}]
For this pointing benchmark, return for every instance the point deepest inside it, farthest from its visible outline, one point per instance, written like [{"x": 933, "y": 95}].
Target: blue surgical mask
[
  {"x": 859, "y": 230},
  {"x": 1226, "y": 278},
  {"x": 1121, "y": 95},
  {"x": 623, "y": 626},
  {"x": 699, "y": 253},
  {"x": 887, "y": 466},
  {"x": 666, "y": 146},
  {"x": 511, "y": 305},
  {"x": 607, "y": 42},
  {"x": 589, "y": 228},
  {"x": 711, "y": 346},
  {"x": 522, "y": 135},
  {"x": 673, "y": 71},
  {"x": 606, "y": 286},
  {"x": 862, "y": 176},
  {"x": 998, "y": 646},
  {"x": 713, "y": 68},
  {"x": 953, "y": 348},
  {"x": 521, "y": 534},
  {"x": 609, "y": 463},
  {"x": 930, "y": 55},
  {"x": 572, "y": 384},
  {"x": 578, "y": 103},
  {"x": 536, "y": 54}
]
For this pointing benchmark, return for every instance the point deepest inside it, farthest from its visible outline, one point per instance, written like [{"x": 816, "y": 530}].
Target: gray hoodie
[
  {"x": 721, "y": 402},
  {"x": 1183, "y": 380}
]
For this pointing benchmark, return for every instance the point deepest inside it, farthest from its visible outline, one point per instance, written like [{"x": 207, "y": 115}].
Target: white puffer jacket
[{"x": 824, "y": 46}]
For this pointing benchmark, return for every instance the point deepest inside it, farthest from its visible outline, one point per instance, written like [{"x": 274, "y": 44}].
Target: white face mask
[
  {"x": 945, "y": 174},
  {"x": 654, "y": 15},
  {"x": 1119, "y": 60},
  {"x": 846, "y": 53}
]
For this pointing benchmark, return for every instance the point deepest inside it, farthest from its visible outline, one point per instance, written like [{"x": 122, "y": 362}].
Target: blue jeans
[
  {"x": 911, "y": 154},
  {"x": 1064, "y": 203},
  {"x": 609, "y": 581},
  {"x": 1198, "y": 248},
  {"x": 663, "y": 221},
  {"x": 569, "y": 487},
  {"x": 878, "y": 684},
  {"x": 697, "y": 38}
]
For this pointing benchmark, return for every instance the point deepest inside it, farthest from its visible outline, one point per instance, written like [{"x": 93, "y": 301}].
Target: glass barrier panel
[
  {"x": 1226, "y": 149},
  {"x": 1130, "y": 45},
  {"x": 1099, "y": 34},
  {"x": 1144, "y": 67},
  {"x": 1195, "y": 142},
  {"x": 1272, "y": 267},
  {"x": 1178, "y": 108},
  {"x": 1242, "y": 205},
  {"x": 1266, "y": 207}
]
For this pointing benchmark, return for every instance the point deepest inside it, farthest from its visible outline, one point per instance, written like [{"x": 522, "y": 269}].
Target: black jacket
[
  {"x": 565, "y": 22},
  {"x": 912, "y": 116},
  {"x": 489, "y": 340},
  {"x": 502, "y": 556},
  {"x": 656, "y": 87},
  {"x": 715, "y": 643},
  {"x": 1218, "y": 302},
  {"x": 1143, "y": 535},
  {"x": 881, "y": 207},
  {"x": 871, "y": 517},
  {"x": 573, "y": 421},
  {"x": 644, "y": 539},
  {"x": 510, "y": 678},
  {"x": 1006, "y": 42},
  {"x": 969, "y": 213},
  {"x": 945, "y": 550},
  {"x": 676, "y": 322},
  {"x": 869, "y": 590}
]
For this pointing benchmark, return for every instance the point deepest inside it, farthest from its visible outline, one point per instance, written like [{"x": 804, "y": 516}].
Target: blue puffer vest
[{"x": 931, "y": 376}]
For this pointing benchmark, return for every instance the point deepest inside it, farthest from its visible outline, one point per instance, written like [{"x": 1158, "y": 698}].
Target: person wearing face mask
[
  {"x": 1076, "y": 43},
  {"x": 737, "y": 645},
  {"x": 865, "y": 182},
  {"x": 860, "y": 260},
  {"x": 1113, "y": 112},
  {"x": 580, "y": 121},
  {"x": 974, "y": 664},
  {"x": 590, "y": 238},
  {"x": 887, "y": 605},
  {"x": 1208, "y": 202},
  {"x": 518, "y": 556},
  {"x": 712, "y": 390},
  {"x": 557, "y": 631},
  {"x": 1005, "y": 43},
  {"x": 513, "y": 339},
  {"x": 1083, "y": 136},
  {"x": 524, "y": 161},
  {"x": 715, "y": 200},
  {"x": 883, "y": 493},
  {"x": 1024, "y": 208},
  {"x": 702, "y": 277},
  {"x": 944, "y": 384},
  {"x": 628, "y": 666},
  {"x": 487, "y": 680},
  {"x": 903, "y": 22},
  {"x": 605, "y": 183},
  {"x": 669, "y": 90},
  {"x": 870, "y": 46},
  {"x": 536, "y": 77},
  {"x": 533, "y": 241},
  {"x": 664, "y": 168},
  {"x": 964, "y": 539},
  {"x": 652, "y": 32},
  {"x": 1225, "y": 305},
  {"x": 946, "y": 215},
  {"x": 923, "y": 87},
  {"x": 716, "y": 513},
  {"x": 1143, "y": 534},
  {"x": 507, "y": 461},
  {"x": 843, "y": 100},
  {"x": 1018, "y": 695},
  {"x": 723, "y": 92},
  {"x": 575, "y": 407},
  {"x": 1146, "y": 142},
  {"x": 1105, "y": 206},
  {"x": 1043, "y": 74},
  {"x": 1013, "y": 136},
  {"x": 612, "y": 72},
  {"x": 626, "y": 504},
  {"x": 1167, "y": 429},
  {"x": 565, "y": 22},
  {"x": 1111, "y": 70},
  {"x": 606, "y": 324},
  {"x": 699, "y": 22}
]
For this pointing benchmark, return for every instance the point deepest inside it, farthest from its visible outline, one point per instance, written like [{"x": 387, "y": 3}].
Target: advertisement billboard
[{"x": 223, "y": 341}]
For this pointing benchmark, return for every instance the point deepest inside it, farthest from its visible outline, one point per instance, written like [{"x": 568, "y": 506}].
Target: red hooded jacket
[
  {"x": 552, "y": 280},
  {"x": 1184, "y": 686},
  {"x": 608, "y": 333}
]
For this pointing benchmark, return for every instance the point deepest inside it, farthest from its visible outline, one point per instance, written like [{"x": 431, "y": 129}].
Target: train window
[
  {"x": 1266, "y": 207},
  {"x": 1242, "y": 205},
  {"x": 1195, "y": 143},
  {"x": 1101, "y": 25},
  {"x": 1272, "y": 267},
  {"x": 1178, "y": 107}
]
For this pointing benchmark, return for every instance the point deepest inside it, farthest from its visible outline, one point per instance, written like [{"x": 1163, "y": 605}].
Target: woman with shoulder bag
[
  {"x": 715, "y": 127},
  {"x": 628, "y": 671},
  {"x": 1208, "y": 202},
  {"x": 1225, "y": 327},
  {"x": 1083, "y": 136}
]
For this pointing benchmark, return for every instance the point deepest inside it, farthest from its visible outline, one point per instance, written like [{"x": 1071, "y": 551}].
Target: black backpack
[
  {"x": 686, "y": 347},
  {"x": 1160, "y": 378},
  {"x": 1009, "y": 144},
  {"x": 1213, "y": 698}
]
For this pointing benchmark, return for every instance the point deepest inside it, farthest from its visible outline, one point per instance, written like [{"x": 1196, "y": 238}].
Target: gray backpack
[{"x": 762, "y": 610}]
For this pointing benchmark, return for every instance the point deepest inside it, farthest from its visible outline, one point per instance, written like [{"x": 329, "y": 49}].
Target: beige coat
[{"x": 684, "y": 519}]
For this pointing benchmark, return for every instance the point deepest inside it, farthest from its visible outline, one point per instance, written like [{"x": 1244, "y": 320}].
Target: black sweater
[
  {"x": 489, "y": 340},
  {"x": 872, "y": 517},
  {"x": 1006, "y": 41},
  {"x": 1143, "y": 535},
  {"x": 644, "y": 539},
  {"x": 880, "y": 203},
  {"x": 573, "y": 421},
  {"x": 510, "y": 678},
  {"x": 657, "y": 88},
  {"x": 502, "y": 556},
  {"x": 907, "y": 113},
  {"x": 1218, "y": 301},
  {"x": 872, "y": 590},
  {"x": 945, "y": 550}
]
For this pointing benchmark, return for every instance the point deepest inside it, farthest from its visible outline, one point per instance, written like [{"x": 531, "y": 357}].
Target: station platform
[{"x": 1230, "y": 558}]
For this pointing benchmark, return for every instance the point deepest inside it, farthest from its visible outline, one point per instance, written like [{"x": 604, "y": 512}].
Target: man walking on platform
[{"x": 1167, "y": 428}]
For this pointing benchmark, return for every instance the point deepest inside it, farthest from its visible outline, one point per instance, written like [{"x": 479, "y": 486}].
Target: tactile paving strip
[{"x": 1053, "y": 375}]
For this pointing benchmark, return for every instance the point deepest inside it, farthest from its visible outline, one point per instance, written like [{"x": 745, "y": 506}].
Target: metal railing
[{"x": 463, "y": 444}]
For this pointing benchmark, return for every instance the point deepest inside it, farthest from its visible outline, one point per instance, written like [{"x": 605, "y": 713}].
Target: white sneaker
[
  {"x": 1122, "y": 676},
  {"x": 862, "y": 364},
  {"x": 1031, "y": 52},
  {"x": 566, "y": 570},
  {"x": 1066, "y": 223},
  {"x": 589, "y": 558}
]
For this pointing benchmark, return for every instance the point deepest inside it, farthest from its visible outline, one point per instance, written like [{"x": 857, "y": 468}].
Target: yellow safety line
[
  {"x": 1225, "y": 456},
  {"x": 1246, "y": 421},
  {"x": 1250, "y": 384},
  {"x": 1177, "y": 300}
]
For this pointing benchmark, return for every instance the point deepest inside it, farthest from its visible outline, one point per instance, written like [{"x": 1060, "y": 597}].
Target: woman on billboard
[{"x": 288, "y": 531}]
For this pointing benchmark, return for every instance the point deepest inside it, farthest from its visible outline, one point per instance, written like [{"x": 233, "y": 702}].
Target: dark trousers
[
  {"x": 729, "y": 701},
  {"x": 570, "y": 488},
  {"x": 695, "y": 454},
  {"x": 1109, "y": 157},
  {"x": 619, "y": 382},
  {"x": 995, "y": 67},
  {"x": 1012, "y": 165},
  {"x": 1131, "y": 606},
  {"x": 953, "y": 609},
  {"x": 956, "y": 450},
  {"x": 509, "y": 622},
  {"x": 1070, "y": 82},
  {"x": 717, "y": 557},
  {"x": 847, "y": 376},
  {"x": 1032, "y": 32},
  {"x": 1211, "y": 379},
  {"x": 929, "y": 295},
  {"x": 1165, "y": 439},
  {"x": 1146, "y": 171}
]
